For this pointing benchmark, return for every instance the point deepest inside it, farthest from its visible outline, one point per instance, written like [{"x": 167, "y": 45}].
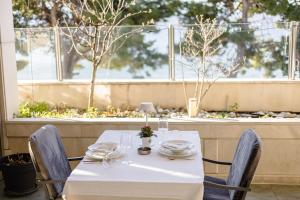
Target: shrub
[
  {"x": 44, "y": 110},
  {"x": 31, "y": 109}
]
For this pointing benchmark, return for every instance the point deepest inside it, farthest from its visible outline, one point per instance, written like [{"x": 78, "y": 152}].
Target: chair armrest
[
  {"x": 216, "y": 162},
  {"x": 51, "y": 181},
  {"x": 225, "y": 187},
  {"x": 75, "y": 158}
]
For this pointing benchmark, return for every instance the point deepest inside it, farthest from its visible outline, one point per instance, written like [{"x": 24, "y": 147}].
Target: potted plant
[
  {"x": 146, "y": 134},
  {"x": 19, "y": 174}
]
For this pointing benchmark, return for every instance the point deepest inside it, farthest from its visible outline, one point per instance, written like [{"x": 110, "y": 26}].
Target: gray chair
[
  {"x": 49, "y": 159},
  {"x": 241, "y": 172}
]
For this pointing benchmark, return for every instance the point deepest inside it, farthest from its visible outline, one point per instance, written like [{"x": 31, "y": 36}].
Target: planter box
[
  {"x": 251, "y": 95},
  {"x": 279, "y": 163}
]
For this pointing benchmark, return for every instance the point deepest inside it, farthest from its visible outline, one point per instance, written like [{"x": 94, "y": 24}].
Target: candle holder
[{"x": 144, "y": 150}]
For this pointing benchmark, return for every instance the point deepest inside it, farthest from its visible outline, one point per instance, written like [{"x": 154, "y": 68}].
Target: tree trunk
[
  {"x": 92, "y": 86},
  {"x": 246, "y": 6},
  {"x": 95, "y": 62},
  {"x": 69, "y": 62},
  {"x": 241, "y": 45},
  {"x": 53, "y": 13}
]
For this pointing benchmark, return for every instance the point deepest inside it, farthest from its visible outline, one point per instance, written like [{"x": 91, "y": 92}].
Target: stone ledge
[
  {"x": 256, "y": 121},
  {"x": 157, "y": 81}
]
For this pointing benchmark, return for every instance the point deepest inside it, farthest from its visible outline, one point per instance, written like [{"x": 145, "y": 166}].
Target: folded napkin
[
  {"x": 177, "y": 145},
  {"x": 103, "y": 150},
  {"x": 104, "y": 146}
]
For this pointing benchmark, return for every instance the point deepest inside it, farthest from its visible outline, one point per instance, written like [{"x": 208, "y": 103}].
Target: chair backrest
[
  {"x": 49, "y": 158},
  {"x": 244, "y": 163}
]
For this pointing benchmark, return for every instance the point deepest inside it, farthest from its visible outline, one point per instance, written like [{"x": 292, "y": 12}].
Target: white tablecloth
[{"x": 139, "y": 177}]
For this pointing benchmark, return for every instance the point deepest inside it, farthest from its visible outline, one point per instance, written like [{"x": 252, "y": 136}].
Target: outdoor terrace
[{"x": 244, "y": 85}]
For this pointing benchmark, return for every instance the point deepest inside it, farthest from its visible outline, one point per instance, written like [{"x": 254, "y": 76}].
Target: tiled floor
[
  {"x": 259, "y": 192},
  {"x": 274, "y": 192}
]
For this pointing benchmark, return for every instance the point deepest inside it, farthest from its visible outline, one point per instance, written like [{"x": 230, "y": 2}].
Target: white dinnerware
[
  {"x": 168, "y": 153},
  {"x": 101, "y": 155},
  {"x": 107, "y": 146},
  {"x": 104, "y": 150},
  {"x": 177, "y": 145},
  {"x": 177, "y": 148}
]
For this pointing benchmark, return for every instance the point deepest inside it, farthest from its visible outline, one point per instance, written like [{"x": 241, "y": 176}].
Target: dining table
[{"x": 139, "y": 177}]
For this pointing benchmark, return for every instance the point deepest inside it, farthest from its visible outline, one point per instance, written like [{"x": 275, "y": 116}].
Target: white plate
[
  {"x": 176, "y": 152},
  {"x": 177, "y": 146},
  {"x": 168, "y": 153},
  {"x": 100, "y": 155},
  {"x": 103, "y": 146}
]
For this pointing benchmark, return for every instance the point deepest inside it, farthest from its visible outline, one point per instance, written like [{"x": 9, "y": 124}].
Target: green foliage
[
  {"x": 219, "y": 115},
  {"x": 146, "y": 131},
  {"x": 287, "y": 9},
  {"x": 44, "y": 110},
  {"x": 21, "y": 64},
  {"x": 91, "y": 112},
  {"x": 137, "y": 54},
  {"x": 190, "y": 9},
  {"x": 28, "y": 109},
  {"x": 161, "y": 10}
]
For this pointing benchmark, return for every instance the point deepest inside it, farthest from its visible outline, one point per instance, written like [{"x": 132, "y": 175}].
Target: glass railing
[
  {"x": 35, "y": 54},
  {"x": 259, "y": 50},
  {"x": 297, "y": 55},
  {"x": 143, "y": 55},
  {"x": 248, "y": 50}
]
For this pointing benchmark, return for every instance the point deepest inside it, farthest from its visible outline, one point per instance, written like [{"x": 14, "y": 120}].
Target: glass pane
[
  {"x": 297, "y": 70},
  {"x": 35, "y": 54},
  {"x": 142, "y": 55},
  {"x": 254, "y": 50}
]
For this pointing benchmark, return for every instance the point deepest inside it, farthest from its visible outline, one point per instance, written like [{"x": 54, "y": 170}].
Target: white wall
[
  {"x": 8, "y": 59},
  {"x": 8, "y": 69}
]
